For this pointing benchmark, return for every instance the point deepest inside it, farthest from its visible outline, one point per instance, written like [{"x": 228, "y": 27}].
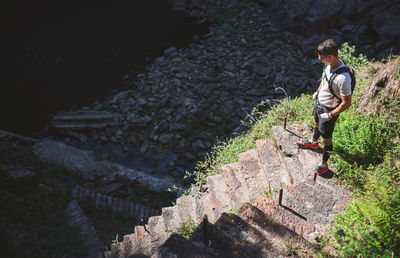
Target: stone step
[
  {"x": 319, "y": 198},
  {"x": 329, "y": 185},
  {"x": 178, "y": 247},
  {"x": 145, "y": 240},
  {"x": 206, "y": 206},
  {"x": 116, "y": 204},
  {"x": 287, "y": 217},
  {"x": 236, "y": 184},
  {"x": 220, "y": 243},
  {"x": 299, "y": 163},
  {"x": 273, "y": 231},
  {"x": 217, "y": 197},
  {"x": 187, "y": 208},
  {"x": 172, "y": 218},
  {"x": 271, "y": 163},
  {"x": 83, "y": 120},
  {"x": 140, "y": 242},
  {"x": 156, "y": 227},
  {"x": 315, "y": 218},
  {"x": 308, "y": 160},
  {"x": 253, "y": 174},
  {"x": 129, "y": 245},
  {"x": 286, "y": 140},
  {"x": 244, "y": 233}
]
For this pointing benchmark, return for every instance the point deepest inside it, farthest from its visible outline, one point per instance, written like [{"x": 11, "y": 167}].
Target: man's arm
[
  {"x": 346, "y": 103},
  {"x": 315, "y": 95}
]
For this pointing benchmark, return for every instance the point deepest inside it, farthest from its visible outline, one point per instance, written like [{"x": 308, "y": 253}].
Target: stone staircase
[
  {"x": 83, "y": 119},
  {"x": 177, "y": 5},
  {"x": 116, "y": 204},
  {"x": 261, "y": 227}
]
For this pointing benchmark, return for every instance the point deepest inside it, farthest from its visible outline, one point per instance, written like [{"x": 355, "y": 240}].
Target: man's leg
[
  {"x": 317, "y": 134},
  {"x": 323, "y": 166},
  {"x": 328, "y": 146}
]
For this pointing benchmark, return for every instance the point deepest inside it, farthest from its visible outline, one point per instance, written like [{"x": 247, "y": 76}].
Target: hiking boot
[
  {"x": 320, "y": 169},
  {"x": 307, "y": 144}
]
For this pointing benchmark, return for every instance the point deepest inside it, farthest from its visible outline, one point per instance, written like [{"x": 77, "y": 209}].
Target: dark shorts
[{"x": 326, "y": 128}]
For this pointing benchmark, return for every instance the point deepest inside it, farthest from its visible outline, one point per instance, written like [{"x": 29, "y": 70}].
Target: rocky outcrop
[
  {"x": 306, "y": 17},
  {"x": 383, "y": 91},
  {"x": 12, "y": 137},
  {"x": 258, "y": 229},
  {"x": 354, "y": 21},
  {"x": 84, "y": 163}
]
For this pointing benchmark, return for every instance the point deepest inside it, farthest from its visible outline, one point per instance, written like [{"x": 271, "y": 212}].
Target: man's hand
[
  {"x": 325, "y": 117},
  {"x": 315, "y": 95}
]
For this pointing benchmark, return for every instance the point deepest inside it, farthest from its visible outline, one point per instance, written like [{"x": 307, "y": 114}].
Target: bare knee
[{"x": 327, "y": 141}]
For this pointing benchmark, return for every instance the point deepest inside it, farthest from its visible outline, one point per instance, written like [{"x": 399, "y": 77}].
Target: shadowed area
[{"x": 56, "y": 54}]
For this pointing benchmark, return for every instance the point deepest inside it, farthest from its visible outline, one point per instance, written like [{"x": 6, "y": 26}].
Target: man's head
[{"x": 327, "y": 52}]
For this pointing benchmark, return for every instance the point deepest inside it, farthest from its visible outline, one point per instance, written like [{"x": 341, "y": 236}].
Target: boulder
[
  {"x": 308, "y": 17},
  {"x": 387, "y": 24},
  {"x": 84, "y": 163}
]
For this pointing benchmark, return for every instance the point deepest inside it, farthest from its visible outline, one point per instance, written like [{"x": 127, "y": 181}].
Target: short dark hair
[{"x": 328, "y": 47}]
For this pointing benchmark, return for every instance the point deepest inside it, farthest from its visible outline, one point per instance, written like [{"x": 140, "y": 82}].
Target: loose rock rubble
[{"x": 189, "y": 97}]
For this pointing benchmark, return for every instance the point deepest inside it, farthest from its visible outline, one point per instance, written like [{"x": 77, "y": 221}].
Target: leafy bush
[
  {"x": 346, "y": 54},
  {"x": 371, "y": 225},
  {"x": 362, "y": 138}
]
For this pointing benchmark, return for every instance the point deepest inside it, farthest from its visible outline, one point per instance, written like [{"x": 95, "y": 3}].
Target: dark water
[{"x": 58, "y": 53}]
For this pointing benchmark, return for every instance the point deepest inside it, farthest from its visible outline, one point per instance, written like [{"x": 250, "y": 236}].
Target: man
[{"x": 328, "y": 106}]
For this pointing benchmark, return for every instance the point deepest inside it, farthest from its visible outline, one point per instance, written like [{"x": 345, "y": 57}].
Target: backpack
[{"x": 341, "y": 70}]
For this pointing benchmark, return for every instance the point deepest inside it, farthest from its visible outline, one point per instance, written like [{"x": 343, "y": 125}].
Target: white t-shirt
[{"x": 341, "y": 86}]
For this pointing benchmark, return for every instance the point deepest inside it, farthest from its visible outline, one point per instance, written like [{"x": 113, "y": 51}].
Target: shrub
[
  {"x": 371, "y": 225},
  {"x": 346, "y": 54},
  {"x": 361, "y": 138}
]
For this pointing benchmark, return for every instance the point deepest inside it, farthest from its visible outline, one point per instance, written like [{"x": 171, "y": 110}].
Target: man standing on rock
[{"x": 330, "y": 102}]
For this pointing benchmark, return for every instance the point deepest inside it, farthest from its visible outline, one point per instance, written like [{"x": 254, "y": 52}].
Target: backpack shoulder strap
[{"x": 333, "y": 76}]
